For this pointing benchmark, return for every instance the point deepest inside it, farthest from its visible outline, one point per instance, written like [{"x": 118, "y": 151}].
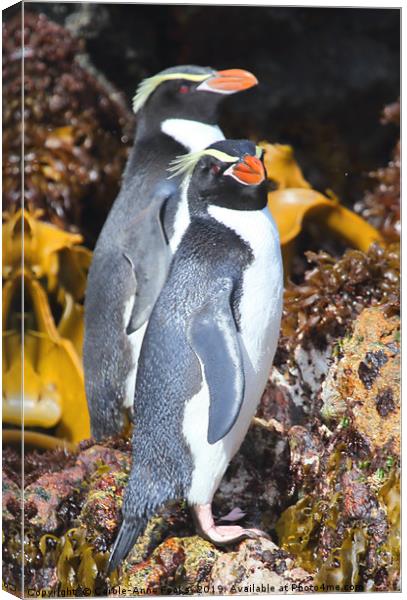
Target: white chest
[
  {"x": 260, "y": 310},
  {"x": 192, "y": 134},
  {"x": 262, "y": 287}
]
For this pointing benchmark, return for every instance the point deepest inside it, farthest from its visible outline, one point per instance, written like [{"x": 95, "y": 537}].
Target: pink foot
[{"x": 221, "y": 534}]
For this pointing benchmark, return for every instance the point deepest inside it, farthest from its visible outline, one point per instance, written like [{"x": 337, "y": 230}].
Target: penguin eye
[
  {"x": 215, "y": 169},
  {"x": 183, "y": 89}
]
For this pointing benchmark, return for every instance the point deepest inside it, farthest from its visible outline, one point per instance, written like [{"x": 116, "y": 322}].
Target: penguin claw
[
  {"x": 221, "y": 535},
  {"x": 230, "y": 534}
]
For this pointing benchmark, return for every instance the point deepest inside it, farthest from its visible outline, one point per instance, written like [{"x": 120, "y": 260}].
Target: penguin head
[
  {"x": 229, "y": 173},
  {"x": 189, "y": 92}
]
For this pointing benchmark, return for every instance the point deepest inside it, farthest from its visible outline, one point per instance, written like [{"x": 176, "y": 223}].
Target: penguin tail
[{"x": 128, "y": 534}]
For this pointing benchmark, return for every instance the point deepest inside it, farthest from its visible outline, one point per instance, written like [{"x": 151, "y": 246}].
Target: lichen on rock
[
  {"x": 363, "y": 383},
  {"x": 177, "y": 566}
]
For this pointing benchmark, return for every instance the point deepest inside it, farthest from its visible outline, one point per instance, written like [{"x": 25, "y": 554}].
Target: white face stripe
[{"x": 147, "y": 86}]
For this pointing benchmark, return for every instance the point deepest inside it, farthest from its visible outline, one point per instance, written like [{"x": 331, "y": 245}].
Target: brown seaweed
[{"x": 76, "y": 128}]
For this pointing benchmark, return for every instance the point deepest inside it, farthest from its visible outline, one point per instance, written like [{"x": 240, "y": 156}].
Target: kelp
[
  {"x": 294, "y": 202},
  {"x": 53, "y": 277},
  {"x": 347, "y": 549}
]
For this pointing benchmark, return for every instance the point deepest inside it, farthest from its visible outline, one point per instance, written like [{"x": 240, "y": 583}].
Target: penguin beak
[
  {"x": 229, "y": 81},
  {"x": 249, "y": 171}
]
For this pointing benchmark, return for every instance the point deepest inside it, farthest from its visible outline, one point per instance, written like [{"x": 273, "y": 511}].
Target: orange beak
[
  {"x": 229, "y": 81},
  {"x": 249, "y": 171}
]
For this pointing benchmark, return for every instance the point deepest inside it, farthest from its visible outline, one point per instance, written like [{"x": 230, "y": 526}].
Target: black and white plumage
[
  {"x": 209, "y": 344},
  {"x": 177, "y": 112}
]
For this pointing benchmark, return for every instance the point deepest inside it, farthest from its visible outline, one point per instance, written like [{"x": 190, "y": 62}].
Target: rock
[
  {"x": 306, "y": 450},
  {"x": 177, "y": 566},
  {"x": 345, "y": 526},
  {"x": 257, "y": 480},
  {"x": 101, "y": 510},
  {"x": 364, "y": 382},
  {"x": 45, "y": 495},
  {"x": 258, "y": 566},
  {"x": 11, "y": 498}
]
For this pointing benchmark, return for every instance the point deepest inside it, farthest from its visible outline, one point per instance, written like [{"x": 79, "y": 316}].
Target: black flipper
[
  {"x": 107, "y": 353},
  {"x": 152, "y": 268},
  {"x": 213, "y": 336},
  {"x": 127, "y": 537}
]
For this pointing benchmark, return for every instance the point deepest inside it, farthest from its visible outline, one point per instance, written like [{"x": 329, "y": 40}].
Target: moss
[
  {"x": 101, "y": 510},
  {"x": 199, "y": 558}
]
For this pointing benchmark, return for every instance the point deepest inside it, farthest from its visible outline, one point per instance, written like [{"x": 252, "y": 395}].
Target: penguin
[
  {"x": 177, "y": 112},
  {"x": 209, "y": 344}
]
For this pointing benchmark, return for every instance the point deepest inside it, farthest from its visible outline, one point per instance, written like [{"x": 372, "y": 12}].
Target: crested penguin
[
  {"x": 177, "y": 112},
  {"x": 209, "y": 343}
]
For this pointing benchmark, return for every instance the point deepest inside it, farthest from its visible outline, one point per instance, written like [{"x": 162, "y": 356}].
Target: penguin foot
[{"x": 221, "y": 535}]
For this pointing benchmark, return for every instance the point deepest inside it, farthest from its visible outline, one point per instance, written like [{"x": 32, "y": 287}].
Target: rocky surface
[
  {"x": 44, "y": 496},
  {"x": 72, "y": 516},
  {"x": 363, "y": 384},
  {"x": 258, "y": 566},
  {"x": 347, "y": 471}
]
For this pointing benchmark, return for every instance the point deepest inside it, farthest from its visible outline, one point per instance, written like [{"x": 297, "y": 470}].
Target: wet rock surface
[
  {"x": 178, "y": 565},
  {"x": 72, "y": 515}
]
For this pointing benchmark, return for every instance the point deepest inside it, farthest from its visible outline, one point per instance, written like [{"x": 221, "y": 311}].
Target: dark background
[{"x": 325, "y": 73}]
